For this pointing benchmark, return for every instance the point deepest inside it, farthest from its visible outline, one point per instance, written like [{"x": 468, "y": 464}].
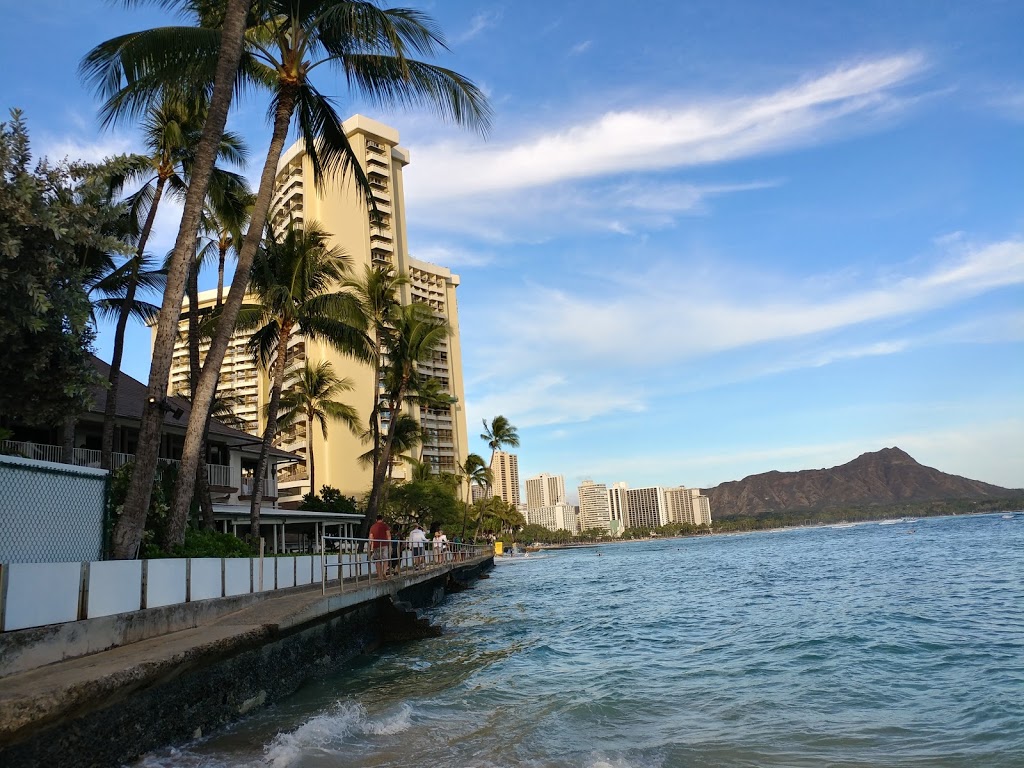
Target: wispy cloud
[
  {"x": 665, "y": 137},
  {"x": 479, "y": 23},
  {"x": 645, "y": 323},
  {"x": 579, "y": 48},
  {"x": 453, "y": 256},
  {"x": 57, "y": 148}
]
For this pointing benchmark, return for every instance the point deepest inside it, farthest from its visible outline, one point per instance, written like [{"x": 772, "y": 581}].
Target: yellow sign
[{"x": 498, "y": 546}]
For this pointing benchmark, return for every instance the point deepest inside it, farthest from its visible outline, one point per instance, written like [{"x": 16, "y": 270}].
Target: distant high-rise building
[
  {"x": 618, "y": 508},
  {"x": 646, "y": 507},
  {"x": 555, "y": 517},
  {"x": 369, "y": 240},
  {"x": 505, "y": 477},
  {"x": 545, "y": 490},
  {"x": 687, "y": 505},
  {"x": 595, "y": 511}
]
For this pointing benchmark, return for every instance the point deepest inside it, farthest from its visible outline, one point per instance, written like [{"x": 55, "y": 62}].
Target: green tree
[
  {"x": 475, "y": 472},
  {"x": 292, "y": 281},
  {"x": 130, "y": 72},
  {"x": 309, "y": 395},
  {"x": 499, "y": 434},
  {"x": 412, "y": 338},
  {"x": 50, "y": 216},
  {"x": 285, "y": 40}
]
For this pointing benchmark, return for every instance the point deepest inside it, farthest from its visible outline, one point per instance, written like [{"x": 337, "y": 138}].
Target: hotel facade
[{"x": 378, "y": 240}]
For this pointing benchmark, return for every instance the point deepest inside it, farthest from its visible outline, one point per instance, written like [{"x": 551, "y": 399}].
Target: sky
[{"x": 702, "y": 240}]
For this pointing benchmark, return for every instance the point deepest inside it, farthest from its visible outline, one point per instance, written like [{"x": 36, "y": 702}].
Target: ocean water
[{"x": 894, "y": 645}]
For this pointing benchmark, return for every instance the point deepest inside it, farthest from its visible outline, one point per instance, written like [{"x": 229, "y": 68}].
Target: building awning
[{"x": 279, "y": 516}]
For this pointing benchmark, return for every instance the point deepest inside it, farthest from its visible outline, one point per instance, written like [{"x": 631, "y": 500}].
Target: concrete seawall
[{"x": 107, "y": 708}]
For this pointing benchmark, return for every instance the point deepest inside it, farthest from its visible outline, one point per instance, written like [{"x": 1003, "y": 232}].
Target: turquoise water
[{"x": 896, "y": 645}]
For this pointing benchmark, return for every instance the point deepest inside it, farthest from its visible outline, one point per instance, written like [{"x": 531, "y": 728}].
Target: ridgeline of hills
[{"x": 889, "y": 478}]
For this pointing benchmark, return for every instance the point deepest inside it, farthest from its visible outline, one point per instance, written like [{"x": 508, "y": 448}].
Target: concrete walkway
[{"x": 41, "y": 697}]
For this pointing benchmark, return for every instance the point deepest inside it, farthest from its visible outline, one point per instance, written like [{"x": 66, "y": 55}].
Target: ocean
[{"x": 871, "y": 645}]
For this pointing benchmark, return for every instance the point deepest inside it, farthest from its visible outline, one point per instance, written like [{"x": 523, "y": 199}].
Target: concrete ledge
[{"x": 111, "y": 706}]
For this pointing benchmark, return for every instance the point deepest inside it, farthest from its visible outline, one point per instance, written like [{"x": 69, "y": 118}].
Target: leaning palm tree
[
  {"x": 309, "y": 394},
  {"x": 475, "y": 472},
  {"x": 292, "y": 281},
  {"x": 498, "y": 434},
  {"x": 171, "y": 130},
  {"x": 130, "y": 84}
]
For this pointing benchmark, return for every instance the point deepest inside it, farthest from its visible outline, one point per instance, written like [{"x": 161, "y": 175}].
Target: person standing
[
  {"x": 440, "y": 545},
  {"x": 417, "y": 543},
  {"x": 380, "y": 545}
]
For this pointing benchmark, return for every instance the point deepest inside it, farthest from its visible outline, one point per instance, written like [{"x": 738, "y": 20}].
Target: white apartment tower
[
  {"x": 618, "y": 508},
  {"x": 378, "y": 240},
  {"x": 545, "y": 490},
  {"x": 505, "y": 477},
  {"x": 595, "y": 510},
  {"x": 554, "y": 517}
]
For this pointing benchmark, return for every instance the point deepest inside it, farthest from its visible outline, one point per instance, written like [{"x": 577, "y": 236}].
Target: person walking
[
  {"x": 417, "y": 543},
  {"x": 380, "y": 545},
  {"x": 440, "y": 546}
]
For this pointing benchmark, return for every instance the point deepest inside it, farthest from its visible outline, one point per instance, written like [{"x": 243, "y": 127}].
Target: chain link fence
[{"x": 50, "y": 512}]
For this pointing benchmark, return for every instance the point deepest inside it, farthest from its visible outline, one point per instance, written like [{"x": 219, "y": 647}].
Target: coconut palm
[
  {"x": 170, "y": 131},
  {"x": 412, "y": 338},
  {"x": 309, "y": 394},
  {"x": 292, "y": 281},
  {"x": 130, "y": 85},
  {"x": 377, "y": 292},
  {"x": 498, "y": 434},
  {"x": 284, "y": 41},
  {"x": 475, "y": 472}
]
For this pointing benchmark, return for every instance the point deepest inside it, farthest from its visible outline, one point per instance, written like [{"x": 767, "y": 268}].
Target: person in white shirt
[
  {"x": 440, "y": 545},
  {"x": 417, "y": 543}
]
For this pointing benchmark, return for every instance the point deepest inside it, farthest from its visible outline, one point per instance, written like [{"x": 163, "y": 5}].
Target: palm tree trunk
[
  {"x": 128, "y": 532},
  {"x": 270, "y": 431},
  {"x": 222, "y": 258},
  {"x": 380, "y": 471},
  {"x": 114, "y": 376},
  {"x": 202, "y": 476},
  {"x": 309, "y": 453},
  {"x": 207, "y": 387}
]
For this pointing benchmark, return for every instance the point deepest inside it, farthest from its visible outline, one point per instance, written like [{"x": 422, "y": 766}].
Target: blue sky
[{"x": 703, "y": 240}]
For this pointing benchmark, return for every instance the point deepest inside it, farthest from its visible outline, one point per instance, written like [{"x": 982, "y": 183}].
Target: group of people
[{"x": 386, "y": 552}]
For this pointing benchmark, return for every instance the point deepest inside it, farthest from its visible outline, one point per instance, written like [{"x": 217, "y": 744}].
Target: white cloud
[
  {"x": 479, "y": 23},
  {"x": 652, "y": 325},
  {"x": 660, "y": 138},
  {"x": 56, "y": 148},
  {"x": 579, "y": 48},
  {"x": 452, "y": 256}
]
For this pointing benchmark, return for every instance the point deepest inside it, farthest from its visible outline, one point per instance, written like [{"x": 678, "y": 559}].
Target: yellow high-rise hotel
[{"x": 342, "y": 212}]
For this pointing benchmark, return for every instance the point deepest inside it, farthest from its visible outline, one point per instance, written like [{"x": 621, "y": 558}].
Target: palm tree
[
  {"x": 309, "y": 394},
  {"x": 130, "y": 86},
  {"x": 477, "y": 473},
  {"x": 414, "y": 335},
  {"x": 285, "y": 40},
  {"x": 377, "y": 293},
  {"x": 292, "y": 282},
  {"x": 499, "y": 434},
  {"x": 170, "y": 130}
]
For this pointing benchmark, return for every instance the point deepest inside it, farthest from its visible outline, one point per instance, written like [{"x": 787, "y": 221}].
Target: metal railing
[{"x": 369, "y": 560}]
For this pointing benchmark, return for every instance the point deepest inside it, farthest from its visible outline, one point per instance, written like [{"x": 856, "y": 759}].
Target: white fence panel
[
  {"x": 165, "y": 582},
  {"x": 115, "y": 586},
  {"x": 237, "y": 576},
  {"x": 304, "y": 569},
  {"x": 285, "y": 571},
  {"x": 41, "y": 593},
  {"x": 205, "y": 578},
  {"x": 333, "y": 567}
]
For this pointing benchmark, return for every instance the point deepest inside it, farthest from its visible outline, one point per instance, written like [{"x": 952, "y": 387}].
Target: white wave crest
[{"x": 328, "y": 730}]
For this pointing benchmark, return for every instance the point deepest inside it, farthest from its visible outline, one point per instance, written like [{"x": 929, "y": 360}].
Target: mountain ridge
[{"x": 883, "y": 477}]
